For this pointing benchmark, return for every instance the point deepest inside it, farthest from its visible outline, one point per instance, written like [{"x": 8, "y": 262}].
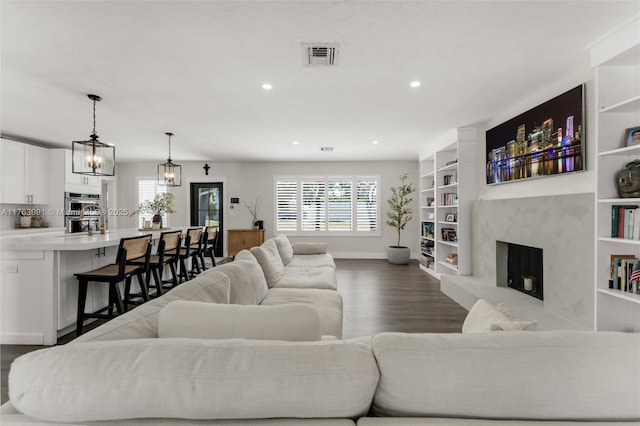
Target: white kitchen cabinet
[{"x": 24, "y": 173}]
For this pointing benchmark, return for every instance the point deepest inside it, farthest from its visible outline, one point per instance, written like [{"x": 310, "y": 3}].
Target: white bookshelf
[
  {"x": 616, "y": 60},
  {"x": 447, "y": 176}
]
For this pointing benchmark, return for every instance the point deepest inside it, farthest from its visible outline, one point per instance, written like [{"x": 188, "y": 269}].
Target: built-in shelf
[
  {"x": 629, "y": 297},
  {"x": 427, "y": 190},
  {"x": 448, "y": 265},
  {"x": 449, "y": 167},
  {"x": 448, "y": 223},
  {"x": 627, "y": 150},
  {"x": 628, "y": 105},
  {"x": 448, "y": 207},
  {"x": 620, "y": 240},
  {"x": 428, "y": 238},
  {"x": 616, "y": 77},
  {"x": 426, "y": 175},
  {"x": 448, "y": 243},
  {"x": 450, "y": 186}
]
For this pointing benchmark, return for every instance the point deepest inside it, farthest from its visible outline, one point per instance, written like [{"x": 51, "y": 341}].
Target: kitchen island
[{"x": 38, "y": 289}]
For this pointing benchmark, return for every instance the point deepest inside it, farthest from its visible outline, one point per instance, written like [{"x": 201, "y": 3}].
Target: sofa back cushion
[
  {"x": 483, "y": 317},
  {"x": 270, "y": 261},
  {"x": 142, "y": 322},
  {"x": 195, "y": 379},
  {"x": 560, "y": 375},
  {"x": 284, "y": 248},
  {"x": 199, "y": 320},
  {"x": 248, "y": 285}
]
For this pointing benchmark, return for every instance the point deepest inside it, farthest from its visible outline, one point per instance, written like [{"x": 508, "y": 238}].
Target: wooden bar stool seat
[
  {"x": 113, "y": 274},
  {"x": 167, "y": 254}
]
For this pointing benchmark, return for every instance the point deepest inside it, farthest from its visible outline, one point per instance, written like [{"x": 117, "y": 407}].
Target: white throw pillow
[
  {"x": 484, "y": 317},
  {"x": 270, "y": 261},
  {"x": 284, "y": 248},
  {"x": 310, "y": 248},
  {"x": 290, "y": 322}
]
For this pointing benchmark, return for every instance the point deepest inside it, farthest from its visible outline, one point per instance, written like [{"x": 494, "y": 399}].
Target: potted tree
[
  {"x": 161, "y": 203},
  {"x": 398, "y": 216}
]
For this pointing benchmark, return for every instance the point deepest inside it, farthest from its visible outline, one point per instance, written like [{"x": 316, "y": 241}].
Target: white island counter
[{"x": 38, "y": 289}]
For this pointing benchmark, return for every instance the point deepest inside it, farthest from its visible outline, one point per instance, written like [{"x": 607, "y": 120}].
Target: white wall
[
  {"x": 573, "y": 183},
  {"x": 248, "y": 180}
]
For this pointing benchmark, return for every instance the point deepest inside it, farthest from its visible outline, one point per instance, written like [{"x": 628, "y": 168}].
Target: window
[
  {"x": 147, "y": 190},
  {"x": 330, "y": 205}
]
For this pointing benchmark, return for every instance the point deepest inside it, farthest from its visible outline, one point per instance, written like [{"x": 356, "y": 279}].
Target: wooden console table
[{"x": 240, "y": 239}]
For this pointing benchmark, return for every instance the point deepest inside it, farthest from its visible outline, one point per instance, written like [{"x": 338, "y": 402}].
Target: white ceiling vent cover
[
  {"x": 320, "y": 54},
  {"x": 326, "y": 148}
]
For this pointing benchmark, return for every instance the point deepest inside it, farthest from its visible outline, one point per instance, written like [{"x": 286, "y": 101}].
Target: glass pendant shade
[
  {"x": 92, "y": 157},
  {"x": 169, "y": 173}
]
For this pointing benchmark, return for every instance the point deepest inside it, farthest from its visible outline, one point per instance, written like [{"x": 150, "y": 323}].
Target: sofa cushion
[
  {"x": 284, "y": 248},
  {"x": 319, "y": 277},
  {"x": 142, "y": 322},
  {"x": 248, "y": 285},
  {"x": 547, "y": 375},
  {"x": 484, "y": 317},
  {"x": 312, "y": 261},
  {"x": 328, "y": 303},
  {"x": 309, "y": 248},
  {"x": 199, "y": 320},
  {"x": 195, "y": 379},
  {"x": 270, "y": 261}
]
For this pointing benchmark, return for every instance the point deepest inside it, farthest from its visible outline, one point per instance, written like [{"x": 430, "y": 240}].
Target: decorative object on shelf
[
  {"x": 93, "y": 157},
  {"x": 161, "y": 203},
  {"x": 430, "y": 216},
  {"x": 169, "y": 173},
  {"x": 555, "y": 146},
  {"x": 253, "y": 209},
  {"x": 450, "y": 217},
  {"x": 206, "y": 169},
  {"x": 398, "y": 216},
  {"x": 25, "y": 219},
  {"x": 632, "y": 136},
  {"x": 628, "y": 180}
]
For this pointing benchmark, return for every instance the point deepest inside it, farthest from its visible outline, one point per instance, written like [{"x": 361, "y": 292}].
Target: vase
[
  {"x": 157, "y": 220},
  {"x": 398, "y": 255}
]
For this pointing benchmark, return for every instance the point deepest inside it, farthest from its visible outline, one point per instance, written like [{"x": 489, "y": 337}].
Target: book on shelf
[
  {"x": 624, "y": 273},
  {"x": 625, "y": 222},
  {"x": 428, "y": 229},
  {"x": 449, "y": 179},
  {"x": 452, "y": 259},
  {"x": 449, "y": 234},
  {"x": 449, "y": 199}
]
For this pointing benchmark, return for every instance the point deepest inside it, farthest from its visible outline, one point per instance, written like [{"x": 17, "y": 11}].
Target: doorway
[{"x": 207, "y": 209}]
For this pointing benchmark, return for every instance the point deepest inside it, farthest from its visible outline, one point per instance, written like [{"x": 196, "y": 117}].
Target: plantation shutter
[
  {"x": 367, "y": 205},
  {"x": 340, "y": 205},
  {"x": 287, "y": 205},
  {"x": 313, "y": 205}
]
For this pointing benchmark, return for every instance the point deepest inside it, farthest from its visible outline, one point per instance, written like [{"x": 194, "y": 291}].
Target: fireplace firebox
[{"x": 520, "y": 268}]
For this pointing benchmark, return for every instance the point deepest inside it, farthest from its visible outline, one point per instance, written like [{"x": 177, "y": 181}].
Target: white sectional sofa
[{"x": 215, "y": 367}]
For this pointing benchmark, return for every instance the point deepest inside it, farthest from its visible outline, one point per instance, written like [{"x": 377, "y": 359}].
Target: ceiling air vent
[
  {"x": 320, "y": 54},
  {"x": 326, "y": 148}
]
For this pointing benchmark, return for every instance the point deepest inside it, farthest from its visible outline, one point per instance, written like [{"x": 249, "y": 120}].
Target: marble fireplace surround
[{"x": 563, "y": 226}]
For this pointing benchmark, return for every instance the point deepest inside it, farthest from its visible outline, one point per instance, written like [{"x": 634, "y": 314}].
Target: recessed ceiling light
[
  {"x": 415, "y": 83},
  {"x": 375, "y": 142},
  {"x": 267, "y": 86},
  {"x": 295, "y": 143}
]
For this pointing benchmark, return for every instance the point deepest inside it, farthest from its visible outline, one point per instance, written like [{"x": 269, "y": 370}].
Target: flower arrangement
[
  {"x": 253, "y": 208},
  {"x": 162, "y": 203}
]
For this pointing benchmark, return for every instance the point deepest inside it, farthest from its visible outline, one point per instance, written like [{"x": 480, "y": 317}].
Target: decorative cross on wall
[{"x": 206, "y": 169}]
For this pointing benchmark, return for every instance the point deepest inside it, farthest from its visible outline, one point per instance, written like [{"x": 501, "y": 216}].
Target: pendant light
[
  {"x": 93, "y": 157},
  {"x": 169, "y": 173}
]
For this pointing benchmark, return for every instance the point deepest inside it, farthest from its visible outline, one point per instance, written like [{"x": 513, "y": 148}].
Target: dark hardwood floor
[{"x": 377, "y": 297}]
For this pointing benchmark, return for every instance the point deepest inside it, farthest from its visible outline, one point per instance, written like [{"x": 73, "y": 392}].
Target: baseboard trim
[
  {"x": 21, "y": 339},
  {"x": 363, "y": 255}
]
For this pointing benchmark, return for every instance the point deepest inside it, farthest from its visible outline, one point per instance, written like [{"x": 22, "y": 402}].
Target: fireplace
[{"x": 520, "y": 268}]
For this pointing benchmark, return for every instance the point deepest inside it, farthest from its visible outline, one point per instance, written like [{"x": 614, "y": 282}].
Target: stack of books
[
  {"x": 623, "y": 275},
  {"x": 625, "y": 222}
]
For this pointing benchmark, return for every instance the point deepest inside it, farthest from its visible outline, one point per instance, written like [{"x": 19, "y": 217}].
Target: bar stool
[
  {"x": 129, "y": 249},
  {"x": 168, "y": 254},
  {"x": 210, "y": 243},
  {"x": 192, "y": 249}
]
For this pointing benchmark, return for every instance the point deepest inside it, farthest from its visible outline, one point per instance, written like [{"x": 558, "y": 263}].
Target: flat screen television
[{"x": 546, "y": 140}]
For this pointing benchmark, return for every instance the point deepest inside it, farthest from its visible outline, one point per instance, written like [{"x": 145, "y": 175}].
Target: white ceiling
[{"x": 195, "y": 68}]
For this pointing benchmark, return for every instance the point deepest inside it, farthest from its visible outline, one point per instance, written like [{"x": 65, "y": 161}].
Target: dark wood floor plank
[{"x": 378, "y": 297}]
